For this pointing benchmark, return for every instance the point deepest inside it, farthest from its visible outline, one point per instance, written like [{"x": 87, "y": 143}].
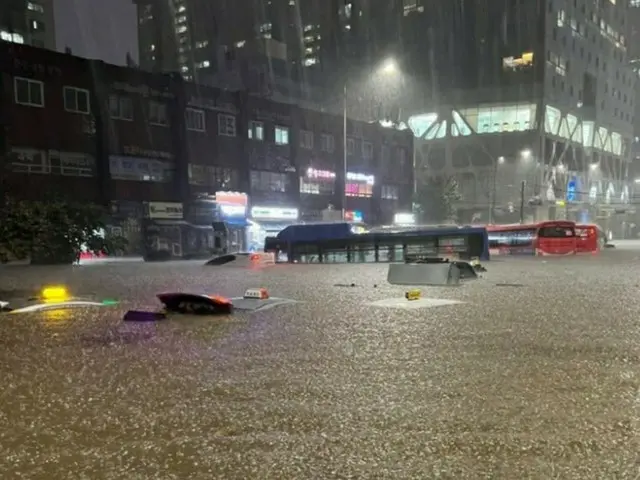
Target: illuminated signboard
[
  {"x": 320, "y": 174},
  {"x": 274, "y": 213},
  {"x": 361, "y": 178},
  {"x": 404, "y": 219},
  {"x": 518, "y": 62},
  {"x": 355, "y": 216},
  {"x": 232, "y": 204}
]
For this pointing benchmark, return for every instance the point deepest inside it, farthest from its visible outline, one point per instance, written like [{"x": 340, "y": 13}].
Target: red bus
[
  {"x": 544, "y": 238},
  {"x": 590, "y": 238}
]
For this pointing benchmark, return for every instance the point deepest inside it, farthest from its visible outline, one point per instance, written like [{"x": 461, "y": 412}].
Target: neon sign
[{"x": 321, "y": 174}]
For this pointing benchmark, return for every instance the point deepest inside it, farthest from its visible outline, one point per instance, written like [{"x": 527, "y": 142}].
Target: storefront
[
  {"x": 268, "y": 222},
  {"x": 162, "y": 230},
  {"x": 232, "y": 210},
  {"x": 359, "y": 196}
]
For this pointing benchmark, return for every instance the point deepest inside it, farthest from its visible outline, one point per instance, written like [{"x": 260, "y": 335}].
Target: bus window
[
  {"x": 557, "y": 239},
  {"x": 556, "y": 232}
]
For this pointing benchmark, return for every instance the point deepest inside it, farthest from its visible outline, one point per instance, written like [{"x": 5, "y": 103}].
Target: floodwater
[{"x": 536, "y": 378}]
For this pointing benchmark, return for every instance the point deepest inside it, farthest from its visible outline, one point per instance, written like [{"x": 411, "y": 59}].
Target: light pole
[
  {"x": 492, "y": 199},
  {"x": 389, "y": 67},
  {"x": 525, "y": 155}
]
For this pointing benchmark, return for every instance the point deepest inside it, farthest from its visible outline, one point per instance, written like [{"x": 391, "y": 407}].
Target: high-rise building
[
  {"x": 255, "y": 41},
  {"x": 521, "y": 91},
  {"x": 28, "y": 22}
]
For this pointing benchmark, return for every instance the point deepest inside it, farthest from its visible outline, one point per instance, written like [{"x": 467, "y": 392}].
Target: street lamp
[
  {"x": 388, "y": 68},
  {"x": 526, "y": 153}
]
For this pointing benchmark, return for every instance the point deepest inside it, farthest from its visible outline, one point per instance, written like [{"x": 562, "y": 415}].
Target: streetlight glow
[
  {"x": 389, "y": 67},
  {"x": 500, "y": 159},
  {"x": 526, "y": 153}
]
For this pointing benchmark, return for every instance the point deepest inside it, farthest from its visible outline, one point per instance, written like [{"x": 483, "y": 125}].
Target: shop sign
[
  {"x": 320, "y": 174},
  {"x": 232, "y": 198},
  {"x": 404, "y": 219},
  {"x": 274, "y": 213},
  {"x": 165, "y": 210},
  {"x": 354, "y": 216},
  {"x": 361, "y": 178}
]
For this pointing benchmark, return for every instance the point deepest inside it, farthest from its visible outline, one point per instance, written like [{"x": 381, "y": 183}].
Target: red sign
[{"x": 232, "y": 198}]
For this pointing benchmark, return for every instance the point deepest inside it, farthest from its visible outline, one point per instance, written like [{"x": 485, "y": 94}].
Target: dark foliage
[{"x": 52, "y": 232}]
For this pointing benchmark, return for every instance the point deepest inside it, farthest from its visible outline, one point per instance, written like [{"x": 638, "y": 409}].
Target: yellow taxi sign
[
  {"x": 55, "y": 294},
  {"x": 414, "y": 294}
]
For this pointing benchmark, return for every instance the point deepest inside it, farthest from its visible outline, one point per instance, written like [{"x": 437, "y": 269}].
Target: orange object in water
[{"x": 220, "y": 299}]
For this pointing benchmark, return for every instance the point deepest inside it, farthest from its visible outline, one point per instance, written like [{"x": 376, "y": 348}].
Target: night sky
[{"x": 104, "y": 29}]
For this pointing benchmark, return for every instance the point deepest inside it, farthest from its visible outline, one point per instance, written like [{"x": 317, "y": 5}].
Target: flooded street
[{"x": 537, "y": 378}]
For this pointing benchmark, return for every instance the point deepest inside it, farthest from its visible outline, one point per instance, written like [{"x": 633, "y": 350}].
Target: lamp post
[
  {"x": 389, "y": 67},
  {"x": 525, "y": 155}
]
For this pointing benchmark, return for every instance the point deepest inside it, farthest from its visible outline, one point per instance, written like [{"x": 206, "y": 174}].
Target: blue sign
[{"x": 572, "y": 190}]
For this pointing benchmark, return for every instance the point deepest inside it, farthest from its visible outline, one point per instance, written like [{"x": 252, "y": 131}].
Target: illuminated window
[
  {"x": 500, "y": 118},
  {"x": 358, "y": 190},
  {"x": 256, "y": 131},
  {"x": 282, "y": 135},
  {"x": 552, "y": 118},
  {"x": 516, "y": 63},
  {"x": 420, "y": 124}
]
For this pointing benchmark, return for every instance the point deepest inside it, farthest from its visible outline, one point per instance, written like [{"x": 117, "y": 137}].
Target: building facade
[
  {"x": 546, "y": 97},
  {"x": 155, "y": 147},
  {"x": 28, "y": 22}
]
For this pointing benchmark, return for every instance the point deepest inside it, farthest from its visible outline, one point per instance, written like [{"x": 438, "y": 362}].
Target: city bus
[
  {"x": 544, "y": 238},
  {"x": 337, "y": 243}
]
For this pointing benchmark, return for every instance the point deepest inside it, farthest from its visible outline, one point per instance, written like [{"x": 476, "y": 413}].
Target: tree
[
  {"x": 436, "y": 200},
  {"x": 52, "y": 232}
]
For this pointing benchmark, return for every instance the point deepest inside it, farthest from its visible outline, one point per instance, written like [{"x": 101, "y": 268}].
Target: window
[
  {"x": 317, "y": 187},
  {"x": 256, "y": 131},
  {"x": 35, "y": 7},
  {"x": 269, "y": 181},
  {"x": 327, "y": 143},
  {"x": 226, "y": 125},
  {"x": 195, "y": 120},
  {"x": 28, "y": 92},
  {"x": 72, "y": 164},
  {"x": 76, "y": 100},
  {"x": 158, "y": 114},
  {"x": 358, "y": 190},
  {"x": 351, "y": 145},
  {"x": 306, "y": 139},
  {"x": 367, "y": 150},
  {"x": 282, "y": 135},
  {"x": 28, "y": 160},
  {"x": 217, "y": 178},
  {"x": 11, "y": 37},
  {"x": 390, "y": 192},
  {"x": 140, "y": 169},
  {"x": 121, "y": 107}
]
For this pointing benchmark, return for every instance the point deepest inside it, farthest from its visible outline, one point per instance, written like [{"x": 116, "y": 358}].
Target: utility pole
[
  {"x": 344, "y": 152},
  {"x": 522, "y": 185}
]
